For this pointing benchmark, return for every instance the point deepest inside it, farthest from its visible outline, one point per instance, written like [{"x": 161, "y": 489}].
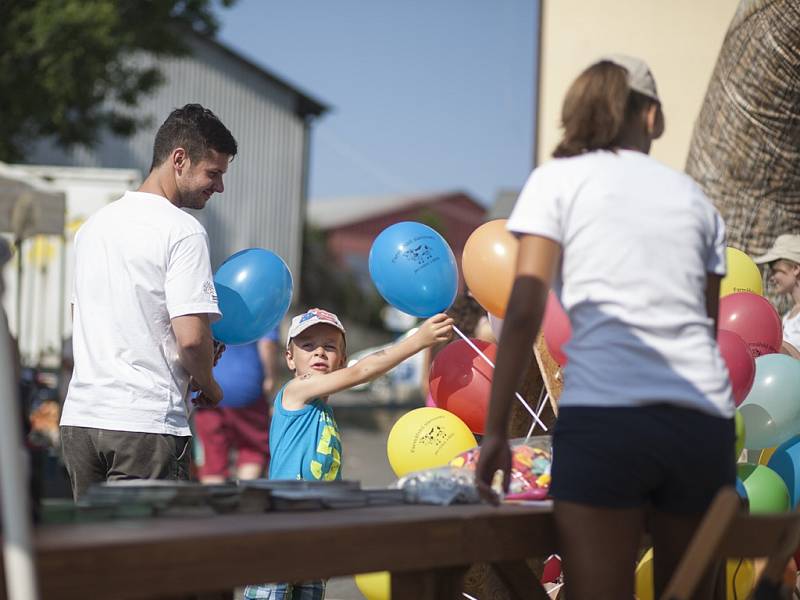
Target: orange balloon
[{"x": 489, "y": 262}]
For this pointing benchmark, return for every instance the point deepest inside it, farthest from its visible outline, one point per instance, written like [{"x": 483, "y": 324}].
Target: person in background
[
  {"x": 143, "y": 302},
  {"x": 783, "y": 260},
  {"x": 240, "y": 423},
  {"x": 635, "y": 252}
]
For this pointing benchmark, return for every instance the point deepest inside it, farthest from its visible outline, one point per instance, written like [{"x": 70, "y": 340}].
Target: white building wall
[{"x": 680, "y": 40}]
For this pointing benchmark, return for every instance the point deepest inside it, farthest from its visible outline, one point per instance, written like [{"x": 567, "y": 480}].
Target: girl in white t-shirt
[{"x": 635, "y": 253}]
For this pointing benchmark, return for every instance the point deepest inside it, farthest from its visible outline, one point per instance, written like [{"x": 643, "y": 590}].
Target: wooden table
[{"x": 427, "y": 548}]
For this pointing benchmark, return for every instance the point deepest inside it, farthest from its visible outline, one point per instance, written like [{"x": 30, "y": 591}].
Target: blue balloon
[
  {"x": 414, "y": 269},
  {"x": 254, "y": 288},
  {"x": 740, "y": 489},
  {"x": 785, "y": 461}
]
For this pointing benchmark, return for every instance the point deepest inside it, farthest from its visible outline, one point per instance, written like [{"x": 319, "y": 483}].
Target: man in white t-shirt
[{"x": 143, "y": 302}]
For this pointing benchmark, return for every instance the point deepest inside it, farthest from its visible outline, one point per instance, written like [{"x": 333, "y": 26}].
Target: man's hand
[
  {"x": 495, "y": 455},
  {"x": 208, "y": 398},
  {"x": 219, "y": 348}
]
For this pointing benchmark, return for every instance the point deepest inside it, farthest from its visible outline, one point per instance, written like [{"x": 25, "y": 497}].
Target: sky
[{"x": 424, "y": 95}]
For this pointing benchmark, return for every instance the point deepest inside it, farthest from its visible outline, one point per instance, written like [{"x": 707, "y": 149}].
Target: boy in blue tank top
[{"x": 304, "y": 440}]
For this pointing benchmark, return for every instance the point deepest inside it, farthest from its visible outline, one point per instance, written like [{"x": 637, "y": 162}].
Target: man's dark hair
[{"x": 195, "y": 129}]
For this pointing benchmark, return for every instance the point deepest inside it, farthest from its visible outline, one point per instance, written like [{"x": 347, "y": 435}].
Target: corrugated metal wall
[{"x": 263, "y": 202}]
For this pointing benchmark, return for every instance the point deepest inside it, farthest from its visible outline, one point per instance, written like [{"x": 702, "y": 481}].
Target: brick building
[{"x": 351, "y": 224}]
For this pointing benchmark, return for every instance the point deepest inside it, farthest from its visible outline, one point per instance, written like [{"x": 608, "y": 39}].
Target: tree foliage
[{"x": 68, "y": 68}]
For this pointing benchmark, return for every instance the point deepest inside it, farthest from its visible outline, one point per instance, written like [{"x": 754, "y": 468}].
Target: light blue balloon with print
[
  {"x": 771, "y": 411},
  {"x": 414, "y": 269},
  {"x": 254, "y": 287}
]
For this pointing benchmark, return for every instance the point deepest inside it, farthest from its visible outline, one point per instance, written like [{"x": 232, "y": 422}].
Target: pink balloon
[
  {"x": 754, "y": 319},
  {"x": 740, "y": 362},
  {"x": 429, "y": 401},
  {"x": 556, "y": 329}
]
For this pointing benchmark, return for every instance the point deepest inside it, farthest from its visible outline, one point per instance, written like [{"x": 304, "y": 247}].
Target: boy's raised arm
[{"x": 301, "y": 390}]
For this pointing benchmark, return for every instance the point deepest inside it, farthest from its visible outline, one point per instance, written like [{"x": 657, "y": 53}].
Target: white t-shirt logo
[{"x": 210, "y": 290}]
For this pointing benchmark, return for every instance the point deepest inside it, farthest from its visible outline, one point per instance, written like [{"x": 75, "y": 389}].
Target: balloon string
[
  {"x": 491, "y": 364},
  {"x": 539, "y": 409},
  {"x": 543, "y": 396}
]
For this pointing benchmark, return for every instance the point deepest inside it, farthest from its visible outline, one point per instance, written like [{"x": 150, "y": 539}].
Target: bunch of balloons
[
  {"x": 414, "y": 270},
  {"x": 489, "y": 263},
  {"x": 766, "y": 389}
]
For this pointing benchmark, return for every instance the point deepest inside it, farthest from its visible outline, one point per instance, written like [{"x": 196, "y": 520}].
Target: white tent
[{"x": 26, "y": 208}]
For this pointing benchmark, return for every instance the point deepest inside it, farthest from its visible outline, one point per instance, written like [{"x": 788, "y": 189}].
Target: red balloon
[
  {"x": 740, "y": 362},
  {"x": 754, "y": 319},
  {"x": 552, "y": 569},
  {"x": 460, "y": 381},
  {"x": 556, "y": 329}
]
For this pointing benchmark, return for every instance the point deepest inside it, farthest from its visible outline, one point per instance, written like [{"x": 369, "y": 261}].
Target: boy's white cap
[
  {"x": 786, "y": 246},
  {"x": 640, "y": 79},
  {"x": 311, "y": 317}
]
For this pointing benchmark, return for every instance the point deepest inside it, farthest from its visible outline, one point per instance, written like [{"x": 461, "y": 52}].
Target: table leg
[{"x": 433, "y": 584}]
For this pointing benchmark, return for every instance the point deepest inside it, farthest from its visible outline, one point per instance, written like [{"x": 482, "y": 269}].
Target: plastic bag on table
[
  {"x": 442, "y": 485},
  {"x": 530, "y": 467}
]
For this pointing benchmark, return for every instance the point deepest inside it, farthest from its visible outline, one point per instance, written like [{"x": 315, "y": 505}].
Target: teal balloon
[
  {"x": 766, "y": 491},
  {"x": 785, "y": 461},
  {"x": 414, "y": 269},
  {"x": 254, "y": 288},
  {"x": 771, "y": 411}
]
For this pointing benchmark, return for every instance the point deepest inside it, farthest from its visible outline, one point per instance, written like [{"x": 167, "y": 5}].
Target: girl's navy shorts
[{"x": 671, "y": 458}]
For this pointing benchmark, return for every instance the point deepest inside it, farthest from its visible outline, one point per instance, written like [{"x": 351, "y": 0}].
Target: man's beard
[{"x": 194, "y": 200}]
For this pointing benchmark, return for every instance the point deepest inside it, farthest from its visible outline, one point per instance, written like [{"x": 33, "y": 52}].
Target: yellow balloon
[
  {"x": 765, "y": 455},
  {"x": 743, "y": 274},
  {"x": 426, "y": 437},
  {"x": 644, "y": 577},
  {"x": 375, "y": 586},
  {"x": 744, "y": 581},
  {"x": 489, "y": 262},
  {"x": 741, "y": 576}
]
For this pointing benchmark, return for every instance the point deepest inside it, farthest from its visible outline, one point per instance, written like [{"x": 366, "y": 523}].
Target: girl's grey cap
[{"x": 640, "y": 78}]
